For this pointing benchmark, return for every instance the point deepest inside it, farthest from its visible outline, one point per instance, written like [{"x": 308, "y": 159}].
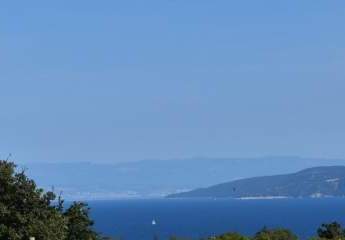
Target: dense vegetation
[{"x": 27, "y": 211}]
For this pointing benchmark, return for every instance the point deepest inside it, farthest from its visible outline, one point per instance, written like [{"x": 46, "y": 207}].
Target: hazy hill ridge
[
  {"x": 155, "y": 178},
  {"x": 311, "y": 182}
]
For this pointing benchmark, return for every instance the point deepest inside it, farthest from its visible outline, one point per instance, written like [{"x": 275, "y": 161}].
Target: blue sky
[{"x": 111, "y": 81}]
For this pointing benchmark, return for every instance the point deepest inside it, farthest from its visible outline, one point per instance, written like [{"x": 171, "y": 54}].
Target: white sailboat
[{"x": 154, "y": 222}]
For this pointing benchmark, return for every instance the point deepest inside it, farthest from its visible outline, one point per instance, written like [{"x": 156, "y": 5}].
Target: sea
[{"x": 147, "y": 219}]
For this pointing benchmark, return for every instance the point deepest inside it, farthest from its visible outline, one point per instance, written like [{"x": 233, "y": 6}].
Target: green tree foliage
[
  {"x": 27, "y": 211},
  {"x": 331, "y": 231},
  {"x": 79, "y": 223},
  {"x": 275, "y": 234}
]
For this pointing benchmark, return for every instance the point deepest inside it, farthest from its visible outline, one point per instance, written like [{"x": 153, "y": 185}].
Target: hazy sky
[{"x": 117, "y": 81}]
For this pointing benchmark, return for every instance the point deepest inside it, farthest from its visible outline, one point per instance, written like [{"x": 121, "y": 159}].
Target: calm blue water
[{"x": 131, "y": 219}]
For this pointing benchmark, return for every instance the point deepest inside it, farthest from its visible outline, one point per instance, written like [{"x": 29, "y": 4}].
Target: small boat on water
[{"x": 154, "y": 222}]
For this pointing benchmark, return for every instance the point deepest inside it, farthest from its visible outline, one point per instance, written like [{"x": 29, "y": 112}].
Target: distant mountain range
[
  {"x": 157, "y": 178},
  {"x": 312, "y": 182}
]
